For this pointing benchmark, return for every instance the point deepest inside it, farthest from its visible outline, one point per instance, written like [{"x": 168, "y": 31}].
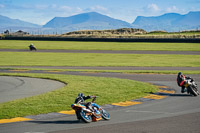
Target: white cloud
[
  {"x": 97, "y": 8},
  {"x": 65, "y": 8},
  {"x": 153, "y": 7},
  {"x": 172, "y": 9},
  {"x": 64, "y": 11}
]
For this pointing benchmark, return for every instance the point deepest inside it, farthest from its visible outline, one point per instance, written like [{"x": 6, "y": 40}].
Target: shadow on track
[
  {"x": 57, "y": 122},
  {"x": 181, "y": 95},
  {"x": 174, "y": 95}
]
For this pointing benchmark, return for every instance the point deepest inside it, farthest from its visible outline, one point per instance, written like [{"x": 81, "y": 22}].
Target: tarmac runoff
[{"x": 164, "y": 92}]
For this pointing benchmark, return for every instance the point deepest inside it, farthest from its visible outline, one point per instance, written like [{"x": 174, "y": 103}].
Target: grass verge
[
  {"x": 109, "y": 90},
  {"x": 23, "y": 44},
  {"x": 93, "y": 59}
]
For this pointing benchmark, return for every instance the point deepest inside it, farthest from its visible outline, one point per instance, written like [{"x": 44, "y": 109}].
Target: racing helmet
[
  {"x": 80, "y": 95},
  {"x": 180, "y": 74}
]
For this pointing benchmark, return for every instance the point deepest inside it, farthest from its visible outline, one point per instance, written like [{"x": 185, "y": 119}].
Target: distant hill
[
  {"x": 9, "y": 23},
  {"x": 192, "y": 19},
  {"x": 169, "y": 22},
  {"x": 87, "y": 21},
  {"x": 95, "y": 21}
]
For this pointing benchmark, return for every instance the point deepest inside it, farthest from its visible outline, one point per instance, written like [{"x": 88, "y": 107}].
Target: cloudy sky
[{"x": 41, "y": 11}]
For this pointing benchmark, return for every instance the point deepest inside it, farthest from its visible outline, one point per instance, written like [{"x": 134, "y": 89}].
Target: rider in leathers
[
  {"x": 81, "y": 100},
  {"x": 181, "y": 79}
]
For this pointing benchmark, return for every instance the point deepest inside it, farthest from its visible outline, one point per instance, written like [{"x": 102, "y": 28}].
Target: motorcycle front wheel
[
  {"x": 86, "y": 118},
  {"x": 105, "y": 115}
]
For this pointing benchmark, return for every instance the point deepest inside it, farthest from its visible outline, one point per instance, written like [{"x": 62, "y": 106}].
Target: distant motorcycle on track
[{"x": 32, "y": 47}]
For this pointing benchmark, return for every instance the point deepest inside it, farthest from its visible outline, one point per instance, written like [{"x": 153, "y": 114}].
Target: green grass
[
  {"x": 109, "y": 90},
  {"x": 23, "y": 44},
  {"x": 93, "y": 59}
]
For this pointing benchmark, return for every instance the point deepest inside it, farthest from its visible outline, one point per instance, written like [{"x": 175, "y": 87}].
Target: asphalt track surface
[
  {"x": 13, "y": 88},
  {"x": 175, "y": 113}
]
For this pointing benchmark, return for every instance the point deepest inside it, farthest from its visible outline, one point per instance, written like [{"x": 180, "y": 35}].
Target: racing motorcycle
[
  {"x": 191, "y": 87},
  {"x": 31, "y": 47},
  {"x": 88, "y": 115}
]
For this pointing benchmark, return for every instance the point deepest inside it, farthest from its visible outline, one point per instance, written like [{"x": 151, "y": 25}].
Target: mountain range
[
  {"x": 169, "y": 22},
  {"x": 92, "y": 20},
  {"x": 96, "y": 21},
  {"x": 15, "y": 24}
]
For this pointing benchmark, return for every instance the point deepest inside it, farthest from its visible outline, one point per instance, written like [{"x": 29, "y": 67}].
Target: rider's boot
[{"x": 183, "y": 90}]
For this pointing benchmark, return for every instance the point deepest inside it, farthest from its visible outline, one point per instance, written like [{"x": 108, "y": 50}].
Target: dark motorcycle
[
  {"x": 31, "y": 47},
  {"x": 191, "y": 87},
  {"x": 88, "y": 115}
]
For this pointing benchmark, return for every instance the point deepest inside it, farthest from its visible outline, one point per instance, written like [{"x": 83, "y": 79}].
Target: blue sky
[{"x": 41, "y": 11}]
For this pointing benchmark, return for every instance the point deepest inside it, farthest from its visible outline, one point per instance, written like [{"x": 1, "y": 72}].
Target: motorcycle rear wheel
[
  {"x": 86, "y": 118},
  {"x": 193, "y": 91}
]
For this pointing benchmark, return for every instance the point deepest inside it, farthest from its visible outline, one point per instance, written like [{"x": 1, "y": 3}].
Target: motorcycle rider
[
  {"x": 81, "y": 100},
  {"x": 181, "y": 79},
  {"x": 32, "y": 47}
]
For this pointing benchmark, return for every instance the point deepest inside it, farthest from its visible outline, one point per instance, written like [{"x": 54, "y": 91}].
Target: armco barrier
[{"x": 181, "y": 40}]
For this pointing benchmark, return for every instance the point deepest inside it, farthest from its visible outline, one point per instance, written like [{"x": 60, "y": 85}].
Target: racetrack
[
  {"x": 168, "y": 115},
  {"x": 175, "y": 113}
]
